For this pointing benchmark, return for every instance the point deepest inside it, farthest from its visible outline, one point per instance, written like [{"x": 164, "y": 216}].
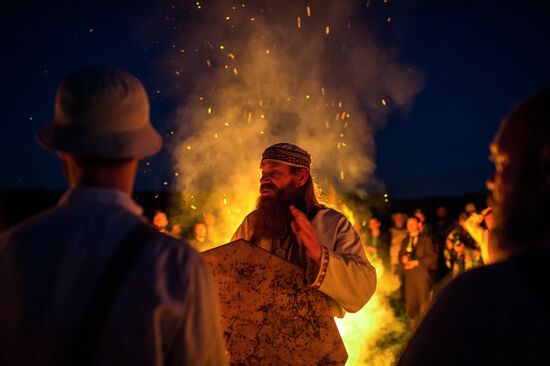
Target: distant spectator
[
  {"x": 462, "y": 252},
  {"x": 479, "y": 226},
  {"x": 200, "y": 237},
  {"x": 470, "y": 208},
  {"x": 441, "y": 229},
  {"x": 378, "y": 242},
  {"x": 212, "y": 235},
  {"x": 176, "y": 231},
  {"x": 160, "y": 221},
  {"x": 398, "y": 233},
  {"x": 417, "y": 255},
  {"x": 426, "y": 229}
]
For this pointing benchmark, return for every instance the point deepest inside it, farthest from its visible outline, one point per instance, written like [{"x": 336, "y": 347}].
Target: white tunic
[{"x": 343, "y": 273}]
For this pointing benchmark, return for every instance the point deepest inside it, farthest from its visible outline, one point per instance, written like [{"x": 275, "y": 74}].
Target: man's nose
[
  {"x": 490, "y": 183},
  {"x": 265, "y": 179}
]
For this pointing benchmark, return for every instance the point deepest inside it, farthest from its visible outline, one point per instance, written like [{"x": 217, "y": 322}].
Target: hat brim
[{"x": 129, "y": 144}]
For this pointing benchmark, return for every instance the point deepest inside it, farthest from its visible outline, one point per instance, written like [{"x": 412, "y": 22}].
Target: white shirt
[{"x": 165, "y": 312}]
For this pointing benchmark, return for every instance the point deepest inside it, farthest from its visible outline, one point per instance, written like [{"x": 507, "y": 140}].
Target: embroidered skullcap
[{"x": 287, "y": 153}]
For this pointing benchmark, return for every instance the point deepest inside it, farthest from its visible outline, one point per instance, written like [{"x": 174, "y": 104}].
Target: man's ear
[{"x": 303, "y": 175}]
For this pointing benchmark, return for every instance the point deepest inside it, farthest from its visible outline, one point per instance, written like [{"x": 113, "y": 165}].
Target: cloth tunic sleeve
[{"x": 344, "y": 273}]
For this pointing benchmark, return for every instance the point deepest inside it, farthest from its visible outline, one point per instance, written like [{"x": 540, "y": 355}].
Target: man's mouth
[{"x": 266, "y": 189}]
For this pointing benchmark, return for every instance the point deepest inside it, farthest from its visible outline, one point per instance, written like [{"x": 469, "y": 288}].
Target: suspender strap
[{"x": 103, "y": 296}]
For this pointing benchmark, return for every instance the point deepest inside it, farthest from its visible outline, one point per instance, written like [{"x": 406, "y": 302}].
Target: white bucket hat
[{"x": 101, "y": 112}]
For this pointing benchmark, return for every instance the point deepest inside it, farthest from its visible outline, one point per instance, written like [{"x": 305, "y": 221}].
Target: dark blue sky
[{"x": 478, "y": 60}]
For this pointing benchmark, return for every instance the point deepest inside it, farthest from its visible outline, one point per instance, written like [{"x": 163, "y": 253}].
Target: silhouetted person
[
  {"x": 500, "y": 314},
  {"x": 88, "y": 282}
]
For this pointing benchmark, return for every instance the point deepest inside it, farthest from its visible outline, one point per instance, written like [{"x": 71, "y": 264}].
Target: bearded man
[{"x": 290, "y": 223}]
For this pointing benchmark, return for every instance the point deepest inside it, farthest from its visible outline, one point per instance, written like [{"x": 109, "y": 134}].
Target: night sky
[{"x": 477, "y": 59}]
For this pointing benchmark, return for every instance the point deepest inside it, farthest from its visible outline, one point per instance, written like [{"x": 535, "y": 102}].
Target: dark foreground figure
[
  {"x": 88, "y": 282},
  {"x": 500, "y": 314}
]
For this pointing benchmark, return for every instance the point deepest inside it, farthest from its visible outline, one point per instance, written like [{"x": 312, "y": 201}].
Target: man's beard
[{"x": 272, "y": 216}]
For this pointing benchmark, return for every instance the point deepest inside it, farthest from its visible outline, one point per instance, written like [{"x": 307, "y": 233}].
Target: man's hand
[
  {"x": 306, "y": 234},
  {"x": 412, "y": 264}
]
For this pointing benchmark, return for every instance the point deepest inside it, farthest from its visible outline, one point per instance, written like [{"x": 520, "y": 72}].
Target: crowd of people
[
  {"x": 200, "y": 235},
  {"x": 428, "y": 253}
]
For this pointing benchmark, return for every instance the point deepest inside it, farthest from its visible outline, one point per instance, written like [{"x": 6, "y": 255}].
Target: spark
[
  {"x": 216, "y": 135},
  {"x": 225, "y": 201},
  {"x": 222, "y": 47},
  {"x": 388, "y": 20},
  {"x": 261, "y": 102},
  {"x": 193, "y": 207},
  {"x": 165, "y": 183},
  {"x": 384, "y": 102},
  {"x": 308, "y": 9},
  {"x": 339, "y": 104},
  {"x": 343, "y": 115},
  {"x": 226, "y": 124},
  {"x": 385, "y": 195},
  {"x": 327, "y": 30},
  {"x": 323, "y": 91},
  {"x": 91, "y": 30},
  {"x": 252, "y": 19},
  {"x": 299, "y": 21},
  {"x": 209, "y": 110},
  {"x": 249, "y": 116},
  {"x": 235, "y": 71},
  {"x": 176, "y": 174},
  {"x": 227, "y": 18},
  {"x": 342, "y": 175},
  {"x": 231, "y": 56},
  {"x": 208, "y": 63},
  {"x": 188, "y": 147},
  {"x": 267, "y": 51},
  {"x": 307, "y": 96}
]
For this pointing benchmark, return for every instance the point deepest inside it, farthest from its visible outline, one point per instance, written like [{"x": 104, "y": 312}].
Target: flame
[{"x": 363, "y": 332}]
